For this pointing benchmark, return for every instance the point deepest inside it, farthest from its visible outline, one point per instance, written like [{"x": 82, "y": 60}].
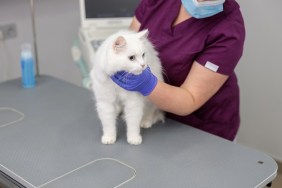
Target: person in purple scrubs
[{"x": 200, "y": 43}]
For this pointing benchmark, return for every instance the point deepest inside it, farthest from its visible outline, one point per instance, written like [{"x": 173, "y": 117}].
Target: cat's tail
[{"x": 158, "y": 116}]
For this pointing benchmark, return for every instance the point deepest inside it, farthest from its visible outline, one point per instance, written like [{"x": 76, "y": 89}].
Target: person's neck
[{"x": 182, "y": 16}]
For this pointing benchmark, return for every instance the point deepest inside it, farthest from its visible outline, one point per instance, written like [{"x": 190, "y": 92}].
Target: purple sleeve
[
  {"x": 224, "y": 47},
  {"x": 140, "y": 10}
]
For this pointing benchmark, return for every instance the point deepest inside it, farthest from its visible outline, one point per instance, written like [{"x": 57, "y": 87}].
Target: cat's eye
[
  {"x": 143, "y": 55},
  {"x": 131, "y": 58}
]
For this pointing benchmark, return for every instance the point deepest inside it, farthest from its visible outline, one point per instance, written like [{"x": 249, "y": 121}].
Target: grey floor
[{"x": 277, "y": 183}]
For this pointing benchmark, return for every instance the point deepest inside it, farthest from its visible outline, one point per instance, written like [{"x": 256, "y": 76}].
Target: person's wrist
[{"x": 150, "y": 85}]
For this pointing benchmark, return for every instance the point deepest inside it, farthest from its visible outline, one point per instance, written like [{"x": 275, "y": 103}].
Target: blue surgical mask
[{"x": 203, "y": 9}]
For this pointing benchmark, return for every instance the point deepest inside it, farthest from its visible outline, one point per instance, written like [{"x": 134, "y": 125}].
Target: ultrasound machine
[{"x": 99, "y": 19}]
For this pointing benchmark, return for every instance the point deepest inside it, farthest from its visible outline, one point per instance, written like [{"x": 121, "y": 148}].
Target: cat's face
[{"x": 130, "y": 52}]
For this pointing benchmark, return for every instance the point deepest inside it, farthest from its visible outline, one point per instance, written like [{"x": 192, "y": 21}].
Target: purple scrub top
[{"x": 215, "y": 42}]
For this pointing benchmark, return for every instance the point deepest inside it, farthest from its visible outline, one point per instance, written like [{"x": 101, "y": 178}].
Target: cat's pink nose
[{"x": 142, "y": 66}]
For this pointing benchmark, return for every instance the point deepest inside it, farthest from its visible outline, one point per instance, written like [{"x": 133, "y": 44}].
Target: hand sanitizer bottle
[{"x": 27, "y": 66}]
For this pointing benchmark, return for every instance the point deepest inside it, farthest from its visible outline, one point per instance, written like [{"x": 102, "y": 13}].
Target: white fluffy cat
[{"x": 132, "y": 52}]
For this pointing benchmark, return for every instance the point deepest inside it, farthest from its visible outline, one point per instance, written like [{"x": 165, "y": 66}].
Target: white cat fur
[{"x": 113, "y": 56}]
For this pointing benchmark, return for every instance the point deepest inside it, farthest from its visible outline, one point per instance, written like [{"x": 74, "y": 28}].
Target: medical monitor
[{"x": 107, "y": 13}]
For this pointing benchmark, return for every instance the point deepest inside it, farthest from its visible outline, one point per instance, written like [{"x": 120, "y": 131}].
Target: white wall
[
  {"x": 260, "y": 77},
  {"x": 259, "y": 71},
  {"x": 14, "y": 11},
  {"x": 57, "y": 23}
]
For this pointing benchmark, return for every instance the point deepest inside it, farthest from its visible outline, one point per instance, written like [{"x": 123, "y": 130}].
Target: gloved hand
[{"x": 144, "y": 83}]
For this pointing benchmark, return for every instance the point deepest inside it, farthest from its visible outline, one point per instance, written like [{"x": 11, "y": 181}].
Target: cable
[
  {"x": 4, "y": 58},
  {"x": 1, "y": 36}
]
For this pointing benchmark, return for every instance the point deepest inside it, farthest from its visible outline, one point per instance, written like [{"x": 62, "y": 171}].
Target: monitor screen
[{"x": 110, "y": 8}]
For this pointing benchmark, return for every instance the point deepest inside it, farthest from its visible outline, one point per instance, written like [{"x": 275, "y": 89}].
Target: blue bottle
[{"x": 27, "y": 66}]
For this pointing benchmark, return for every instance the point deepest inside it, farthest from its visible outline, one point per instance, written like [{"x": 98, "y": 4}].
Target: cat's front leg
[
  {"x": 133, "y": 113},
  {"x": 107, "y": 116}
]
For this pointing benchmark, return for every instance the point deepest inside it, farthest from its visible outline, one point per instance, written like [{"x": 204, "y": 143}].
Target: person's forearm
[
  {"x": 173, "y": 99},
  {"x": 135, "y": 24}
]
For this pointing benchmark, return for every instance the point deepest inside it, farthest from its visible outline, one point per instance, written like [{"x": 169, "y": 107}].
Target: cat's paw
[
  {"x": 134, "y": 140},
  {"x": 146, "y": 124},
  {"x": 108, "y": 139}
]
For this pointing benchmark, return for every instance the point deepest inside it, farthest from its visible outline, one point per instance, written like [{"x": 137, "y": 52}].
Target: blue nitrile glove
[{"x": 143, "y": 83}]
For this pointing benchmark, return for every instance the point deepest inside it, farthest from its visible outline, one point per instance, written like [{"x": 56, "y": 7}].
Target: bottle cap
[{"x": 26, "y": 50}]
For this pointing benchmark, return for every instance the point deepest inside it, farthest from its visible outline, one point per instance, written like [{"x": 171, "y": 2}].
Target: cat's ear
[
  {"x": 119, "y": 44},
  {"x": 143, "y": 34}
]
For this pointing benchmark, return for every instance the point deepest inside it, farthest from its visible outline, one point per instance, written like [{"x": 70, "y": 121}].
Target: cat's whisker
[
  {"x": 126, "y": 76},
  {"x": 123, "y": 77}
]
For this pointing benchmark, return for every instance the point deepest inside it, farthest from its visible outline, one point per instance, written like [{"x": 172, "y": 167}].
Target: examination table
[{"x": 50, "y": 137}]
